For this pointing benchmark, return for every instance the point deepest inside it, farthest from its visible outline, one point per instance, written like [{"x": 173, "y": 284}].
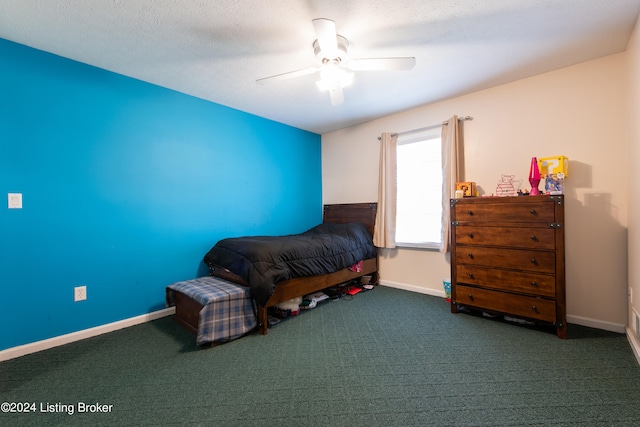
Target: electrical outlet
[{"x": 79, "y": 293}]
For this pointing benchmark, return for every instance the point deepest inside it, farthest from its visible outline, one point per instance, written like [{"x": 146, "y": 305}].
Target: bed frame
[{"x": 299, "y": 286}]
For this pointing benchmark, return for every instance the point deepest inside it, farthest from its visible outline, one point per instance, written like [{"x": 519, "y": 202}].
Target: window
[{"x": 419, "y": 190}]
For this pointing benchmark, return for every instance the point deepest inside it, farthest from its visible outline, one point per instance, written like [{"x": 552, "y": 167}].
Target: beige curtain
[
  {"x": 451, "y": 172},
  {"x": 384, "y": 235}
]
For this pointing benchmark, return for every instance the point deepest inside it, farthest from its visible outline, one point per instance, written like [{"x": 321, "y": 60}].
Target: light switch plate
[{"x": 15, "y": 200}]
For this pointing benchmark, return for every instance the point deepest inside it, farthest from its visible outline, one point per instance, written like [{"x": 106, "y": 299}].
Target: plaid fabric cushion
[{"x": 227, "y": 312}]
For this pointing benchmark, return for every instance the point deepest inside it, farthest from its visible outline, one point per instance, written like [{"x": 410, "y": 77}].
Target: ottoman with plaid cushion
[{"x": 216, "y": 310}]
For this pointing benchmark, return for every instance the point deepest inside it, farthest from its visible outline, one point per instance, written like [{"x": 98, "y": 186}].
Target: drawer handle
[
  {"x": 534, "y": 238},
  {"x": 471, "y": 276},
  {"x": 534, "y": 308},
  {"x": 470, "y": 212},
  {"x": 470, "y": 235},
  {"x": 470, "y": 297},
  {"x": 532, "y": 212},
  {"x": 534, "y": 261},
  {"x": 534, "y": 284},
  {"x": 470, "y": 256}
]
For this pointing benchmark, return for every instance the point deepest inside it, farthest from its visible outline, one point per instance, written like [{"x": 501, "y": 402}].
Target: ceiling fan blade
[
  {"x": 337, "y": 96},
  {"x": 289, "y": 75},
  {"x": 327, "y": 37},
  {"x": 374, "y": 64}
]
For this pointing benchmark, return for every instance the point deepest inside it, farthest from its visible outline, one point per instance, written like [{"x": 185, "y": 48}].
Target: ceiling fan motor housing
[{"x": 340, "y": 54}]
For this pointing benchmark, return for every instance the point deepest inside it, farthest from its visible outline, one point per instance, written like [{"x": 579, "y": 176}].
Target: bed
[{"x": 352, "y": 214}]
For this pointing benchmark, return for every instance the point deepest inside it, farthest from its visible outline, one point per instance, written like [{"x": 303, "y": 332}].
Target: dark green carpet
[{"x": 385, "y": 358}]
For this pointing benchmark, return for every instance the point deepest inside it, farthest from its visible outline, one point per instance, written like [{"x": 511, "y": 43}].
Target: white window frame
[{"x": 429, "y": 179}]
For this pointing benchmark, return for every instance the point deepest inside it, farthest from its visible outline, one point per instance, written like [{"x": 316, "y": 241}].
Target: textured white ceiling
[{"x": 216, "y": 49}]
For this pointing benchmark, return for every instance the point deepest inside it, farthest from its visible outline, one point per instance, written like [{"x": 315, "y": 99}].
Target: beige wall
[
  {"x": 578, "y": 112},
  {"x": 633, "y": 157}
]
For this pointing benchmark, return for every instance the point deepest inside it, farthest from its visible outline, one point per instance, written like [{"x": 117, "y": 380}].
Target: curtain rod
[{"x": 428, "y": 127}]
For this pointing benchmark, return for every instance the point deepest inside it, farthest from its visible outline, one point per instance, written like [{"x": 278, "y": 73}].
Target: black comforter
[{"x": 264, "y": 261}]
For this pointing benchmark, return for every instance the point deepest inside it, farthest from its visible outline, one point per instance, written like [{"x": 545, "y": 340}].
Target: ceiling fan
[{"x": 331, "y": 50}]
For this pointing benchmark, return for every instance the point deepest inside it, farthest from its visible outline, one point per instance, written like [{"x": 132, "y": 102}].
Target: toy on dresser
[
  {"x": 506, "y": 186},
  {"x": 554, "y": 170}
]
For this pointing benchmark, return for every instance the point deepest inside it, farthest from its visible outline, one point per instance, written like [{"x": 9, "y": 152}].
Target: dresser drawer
[
  {"x": 500, "y": 213},
  {"x": 519, "y": 259},
  {"x": 518, "y": 305},
  {"x": 520, "y": 237},
  {"x": 507, "y": 280}
]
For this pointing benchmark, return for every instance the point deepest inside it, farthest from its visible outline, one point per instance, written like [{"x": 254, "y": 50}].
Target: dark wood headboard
[{"x": 351, "y": 212}]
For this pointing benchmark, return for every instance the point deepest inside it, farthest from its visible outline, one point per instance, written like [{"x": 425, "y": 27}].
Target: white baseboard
[
  {"x": 635, "y": 343},
  {"x": 597, "y": 324},
  {"x": 577, "y": 320},
  {"x": 413, "y": 288},
  {"x": 22, "y": 350}
]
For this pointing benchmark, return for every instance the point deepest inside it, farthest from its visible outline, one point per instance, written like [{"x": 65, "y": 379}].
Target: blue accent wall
[{"x": 126, "y": 186}]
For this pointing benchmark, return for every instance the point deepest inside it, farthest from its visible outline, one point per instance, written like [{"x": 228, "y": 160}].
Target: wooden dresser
[{"x": 507, "y": 257}]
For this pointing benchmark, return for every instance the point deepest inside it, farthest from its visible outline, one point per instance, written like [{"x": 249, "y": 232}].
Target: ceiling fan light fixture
[{"x": 333, "y": 77}]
